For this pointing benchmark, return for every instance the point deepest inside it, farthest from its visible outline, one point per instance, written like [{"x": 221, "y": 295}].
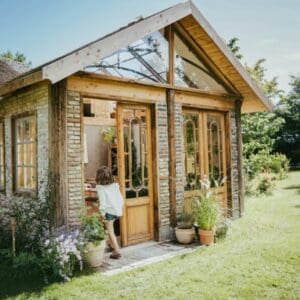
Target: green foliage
[
  {"x": 19, "y": 57},
  {"x": 232, "y": 44},
  {"x": 93, "y": 228},
  {"x": 108, "y": 134},
  {"x": 265, "y": 184},
  {"x": 260, "y": 132},
  {"x": 207, "y": 212},
  {"x": 289, "y": 134},
  {"x": 32, "y": 217},
  {"x": 186, "y": 219}
]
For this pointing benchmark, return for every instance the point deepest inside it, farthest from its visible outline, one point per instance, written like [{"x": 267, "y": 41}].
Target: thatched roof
[{"x": 10, "y": 69}]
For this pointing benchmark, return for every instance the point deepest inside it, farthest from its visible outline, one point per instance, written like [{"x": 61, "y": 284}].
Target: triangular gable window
[
  {"x": 190, "y": 69},
  {"x": 146, "y": 60}
]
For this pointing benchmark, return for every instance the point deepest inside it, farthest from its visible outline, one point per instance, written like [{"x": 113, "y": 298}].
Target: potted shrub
[
  {"x": 185, "y": 230},
  {"x": 207, "y": 213},
  {"x": 95, "y": 239}
]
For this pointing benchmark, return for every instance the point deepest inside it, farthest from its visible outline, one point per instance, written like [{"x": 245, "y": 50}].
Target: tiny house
[{"x": 159, "y": 101}]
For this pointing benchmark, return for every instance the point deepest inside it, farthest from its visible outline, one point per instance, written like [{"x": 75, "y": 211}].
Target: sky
[{"x": 43, "y": 29}]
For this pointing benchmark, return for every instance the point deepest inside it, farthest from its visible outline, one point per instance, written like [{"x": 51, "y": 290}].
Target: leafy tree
[
  {"x": 19, "y": 57},
  {"x": 289, "y": 135},
  {"x": 234, "y": 47},
  {"x": 260, "y": 130}
]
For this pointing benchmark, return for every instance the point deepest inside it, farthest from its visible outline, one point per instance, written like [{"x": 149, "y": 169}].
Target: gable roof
[{"x": 193, "y": 22}]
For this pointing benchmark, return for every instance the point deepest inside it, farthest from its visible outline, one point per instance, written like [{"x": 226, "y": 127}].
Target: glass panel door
[{"x": 135, "y": 172}]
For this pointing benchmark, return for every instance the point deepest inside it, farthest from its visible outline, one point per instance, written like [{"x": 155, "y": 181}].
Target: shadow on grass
[
  {"x": 12, "y": 285},
  {"x": 292, "y": 187}
]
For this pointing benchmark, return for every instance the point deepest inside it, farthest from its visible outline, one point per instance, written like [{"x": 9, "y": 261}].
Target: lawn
[{"x": 259, "y": 259}]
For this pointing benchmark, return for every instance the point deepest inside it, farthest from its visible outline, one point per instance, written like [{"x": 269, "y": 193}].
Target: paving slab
[{"x": 144, "y": 254}]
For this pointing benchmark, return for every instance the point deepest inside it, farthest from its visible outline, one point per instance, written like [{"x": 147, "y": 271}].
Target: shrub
[
  {"x": 265, "y": 184},
  {"x": 61, "y": 254}
]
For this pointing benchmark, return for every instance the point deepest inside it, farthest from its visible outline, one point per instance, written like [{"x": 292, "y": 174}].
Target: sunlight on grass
[{"x": 259, "y": 259}]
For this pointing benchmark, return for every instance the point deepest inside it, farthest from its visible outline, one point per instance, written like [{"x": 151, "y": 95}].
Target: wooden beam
[
  {"x": 57, "y": 152},
  {"x": 88, "y": 54},
  {"x": 240, "y": 156},
  {"x": 172, "y": 156},
  {"x": 20, "y": 82}
]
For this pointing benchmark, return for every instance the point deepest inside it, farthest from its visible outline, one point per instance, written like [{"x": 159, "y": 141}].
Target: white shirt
[{"x": 110, "y": 198}]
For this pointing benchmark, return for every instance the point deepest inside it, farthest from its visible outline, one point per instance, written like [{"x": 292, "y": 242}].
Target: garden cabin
[{"x": 159, "y": 101}]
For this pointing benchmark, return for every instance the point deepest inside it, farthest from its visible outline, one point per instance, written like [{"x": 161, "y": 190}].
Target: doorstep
[{"x": 139, "y": 255}]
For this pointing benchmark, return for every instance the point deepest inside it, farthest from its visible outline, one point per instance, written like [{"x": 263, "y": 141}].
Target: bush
[{"x": 265, "y": 184}]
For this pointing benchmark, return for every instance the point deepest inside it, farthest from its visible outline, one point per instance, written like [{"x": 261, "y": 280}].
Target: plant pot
[
  {"x": 206, "y": 237},
  {"x": 95, "y": 253},
  {"x": 184, "y": 235}
]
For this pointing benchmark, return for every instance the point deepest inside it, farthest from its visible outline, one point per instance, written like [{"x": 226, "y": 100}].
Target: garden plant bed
[{"x": 259, "y": 259}]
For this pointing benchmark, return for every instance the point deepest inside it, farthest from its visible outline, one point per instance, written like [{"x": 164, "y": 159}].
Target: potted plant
[
  {"x": 185, "y": 230},
  {"x": 207, "y": 214},
  {"x": 95, "y": 239}
]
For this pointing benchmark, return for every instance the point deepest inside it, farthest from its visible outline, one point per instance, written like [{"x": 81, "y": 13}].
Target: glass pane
[
  {"x": 146, "y": 59},
  {"x": 215, "y": 151},
  {"x": 190, "y": 71},
  {"x": 25, "y": 155},
  {"x": 191, "y": 151},
  {"x": 135, "y": 142}
]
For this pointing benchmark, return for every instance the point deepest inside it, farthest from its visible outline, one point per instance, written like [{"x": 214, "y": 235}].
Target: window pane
[
  {"x": 146, "y": 60},
  {"x": 191, "y": 151},
  {"x": 190, "y": 71},
  {"x": 25, "y": 153},
  {"x": 135, "y": 142},
  {"x": 215, "y": 151}
]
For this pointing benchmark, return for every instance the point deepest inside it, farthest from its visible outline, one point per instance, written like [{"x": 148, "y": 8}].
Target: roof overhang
[{"x": 191, "y": 20}]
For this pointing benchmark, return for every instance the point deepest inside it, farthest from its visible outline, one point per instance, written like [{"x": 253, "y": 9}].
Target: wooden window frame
[
  {"x": 14, "y": 118},
  {"x": 3, "y": 188}
]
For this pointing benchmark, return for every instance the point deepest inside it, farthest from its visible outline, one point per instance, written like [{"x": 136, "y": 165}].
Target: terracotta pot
[
  {"x": 94, "y": 255},
  {"x": 184, "y": 235},
  {"x": 206, "y": 237}
]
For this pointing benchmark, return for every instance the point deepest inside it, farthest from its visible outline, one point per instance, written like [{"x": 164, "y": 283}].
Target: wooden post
[
  {"x": 238, "y": 107},
  {"x": 57, "y": 152},
  {"x": 172, "y": 155}
]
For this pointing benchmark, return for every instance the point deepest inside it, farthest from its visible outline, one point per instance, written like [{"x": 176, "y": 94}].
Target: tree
[
  {"x": 19, "y": 57},
  {"x": 289, "y": 135},
  {"x": 234, "y": 47}
]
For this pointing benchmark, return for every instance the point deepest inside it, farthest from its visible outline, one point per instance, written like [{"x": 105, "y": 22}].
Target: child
[{"x": 111, "y": 204}]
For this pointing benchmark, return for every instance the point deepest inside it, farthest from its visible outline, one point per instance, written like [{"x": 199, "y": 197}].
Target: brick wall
[
  {"x": 163, "y": 170},
  {"x": 74, "y": 160},
  {"x": 33, "y": 99}
]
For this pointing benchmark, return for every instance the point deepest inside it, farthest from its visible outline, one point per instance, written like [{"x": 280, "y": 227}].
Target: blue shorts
[{"x": 110, "y": 217}]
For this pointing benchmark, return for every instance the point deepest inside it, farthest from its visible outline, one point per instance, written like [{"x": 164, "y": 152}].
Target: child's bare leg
[{"x": 112, "y": 236}]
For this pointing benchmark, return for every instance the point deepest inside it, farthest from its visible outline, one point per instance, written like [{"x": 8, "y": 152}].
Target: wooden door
[
  {"x": 204, "y": 154},
  {"x": 135, "y": 172}
]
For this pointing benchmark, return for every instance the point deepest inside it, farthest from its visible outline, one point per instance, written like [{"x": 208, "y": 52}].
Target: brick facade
[
  {"x": 34, "y": 99},
  {"x": 74, "y": 175}
]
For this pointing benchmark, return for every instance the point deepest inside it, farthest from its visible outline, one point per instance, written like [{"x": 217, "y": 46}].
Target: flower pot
[
  {"x": 206, "y": 237},
  {"x": 184, "y": 235},
  {"x": 95, "y": 253}
]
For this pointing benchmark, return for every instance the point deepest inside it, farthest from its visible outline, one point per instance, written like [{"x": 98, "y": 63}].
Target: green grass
[{"x": 259, "y": 259}]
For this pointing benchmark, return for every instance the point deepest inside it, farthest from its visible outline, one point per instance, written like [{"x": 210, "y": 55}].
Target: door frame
[
  {"x": 121, "y": 171},
  {"x": 203, "y": 150}
]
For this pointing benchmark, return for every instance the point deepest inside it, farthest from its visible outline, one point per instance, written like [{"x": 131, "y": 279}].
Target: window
[
  {"x": 191, "y": 151},
  {"x": 215, "y": 150},
  {"x": 190, "y": 69},
  {"x": 145, "y": 60},
  {"x": 25, "y": 153},
  {"x": 2, "y": 169}
]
